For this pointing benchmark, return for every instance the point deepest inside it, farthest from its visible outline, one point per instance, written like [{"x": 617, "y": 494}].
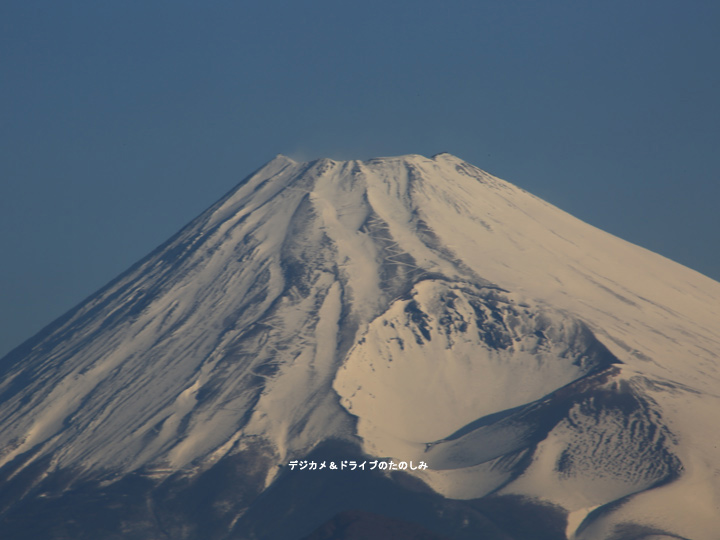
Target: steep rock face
[{"x": 414, "y": 308}]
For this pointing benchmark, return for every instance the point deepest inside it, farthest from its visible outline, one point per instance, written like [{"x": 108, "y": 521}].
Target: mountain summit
[{"x": 557, "y": 382}]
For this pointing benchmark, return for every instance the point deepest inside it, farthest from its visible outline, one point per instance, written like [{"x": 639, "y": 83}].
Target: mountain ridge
[{"x": 324, "y": 300}]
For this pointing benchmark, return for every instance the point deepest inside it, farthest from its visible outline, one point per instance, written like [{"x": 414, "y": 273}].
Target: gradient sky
[{"x": 121, "y": 120}]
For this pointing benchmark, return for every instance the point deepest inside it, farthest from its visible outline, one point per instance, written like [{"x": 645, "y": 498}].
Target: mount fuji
[{"x": 554, "y": 381}]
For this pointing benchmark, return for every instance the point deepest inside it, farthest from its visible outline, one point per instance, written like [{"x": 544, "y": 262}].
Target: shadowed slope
[{"x": 416, "y": 308}]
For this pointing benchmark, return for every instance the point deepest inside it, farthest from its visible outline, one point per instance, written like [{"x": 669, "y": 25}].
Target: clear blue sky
[{"x": 121, "y": 120}]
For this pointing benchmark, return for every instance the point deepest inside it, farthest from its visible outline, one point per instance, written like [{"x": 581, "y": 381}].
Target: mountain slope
[{"x": 417, "y": 309}]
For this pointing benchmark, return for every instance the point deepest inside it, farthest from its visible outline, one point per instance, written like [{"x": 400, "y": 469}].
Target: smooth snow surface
[{"x": 419, "y": 304}]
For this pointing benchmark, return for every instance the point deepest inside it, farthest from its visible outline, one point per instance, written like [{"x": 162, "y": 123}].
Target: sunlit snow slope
[{"x": 417, "y": 305}]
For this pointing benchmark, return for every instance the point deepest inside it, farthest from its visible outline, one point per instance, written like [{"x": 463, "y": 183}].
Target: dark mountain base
[
  {"x": 357, "y": 525},
  {"x": 223, "y": 504}
]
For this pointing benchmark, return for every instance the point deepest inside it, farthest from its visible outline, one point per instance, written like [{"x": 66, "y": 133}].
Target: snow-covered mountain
[{"x": 409, "y": 309}]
